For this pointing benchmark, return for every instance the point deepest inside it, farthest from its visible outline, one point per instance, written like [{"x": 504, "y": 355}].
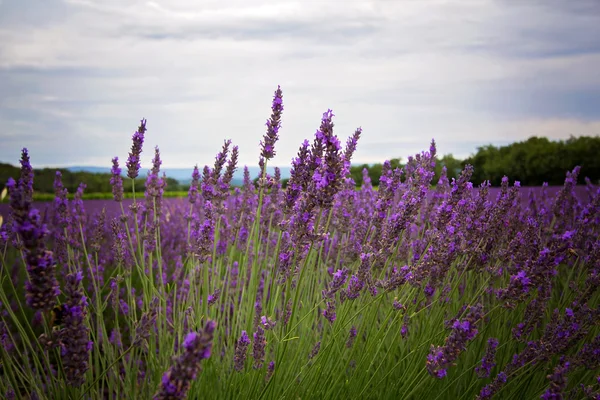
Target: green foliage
[
  {"x": 537, "y": 160},
  {"x": 532, "y": 162}
]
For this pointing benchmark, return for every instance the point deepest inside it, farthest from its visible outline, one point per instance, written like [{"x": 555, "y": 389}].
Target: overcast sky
[{"x": 76, "y": 76}]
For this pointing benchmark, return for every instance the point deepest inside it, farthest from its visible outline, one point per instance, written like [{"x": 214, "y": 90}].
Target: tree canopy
[{"x": 532, "y": 162}]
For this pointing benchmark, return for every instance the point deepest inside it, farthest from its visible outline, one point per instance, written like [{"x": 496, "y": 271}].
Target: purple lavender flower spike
[
  {"x": 329, "y": 312},
  {"x": 488, "y": 362},
  {"x": 273, "y": 126},
  {"x": 75, "y": 336},
  {"x": 339, "y": 279},
  {"x": 315, "y": 350},
  {"x": 240, "y": 351},
  {"x": 176, "y": 382},
  {"x": 133, "y": 162},
  {"x": 351, "y": 337},
  {"x": 258, "y": 349},
  {"x": 351, "y": 144},
  {"x": 354, "y": 287},
  {"x": 116, "y": 181},
  {"x": 270, "y": 370},
  {"x": 463, "y": 331},
  {"x": 42, "y": 285},
  {"x": 193, "y": 191},
  {"x": 558, "y": 382}
]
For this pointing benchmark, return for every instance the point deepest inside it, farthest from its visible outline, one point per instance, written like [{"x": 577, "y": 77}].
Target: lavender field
[{"x": 414, "y": 290}]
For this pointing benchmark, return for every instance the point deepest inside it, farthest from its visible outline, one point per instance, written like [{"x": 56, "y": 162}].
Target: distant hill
[{"x": 184, "y": 175}]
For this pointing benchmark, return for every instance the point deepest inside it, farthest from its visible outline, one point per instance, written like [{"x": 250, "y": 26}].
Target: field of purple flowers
[{"x": 317, "y": 291}]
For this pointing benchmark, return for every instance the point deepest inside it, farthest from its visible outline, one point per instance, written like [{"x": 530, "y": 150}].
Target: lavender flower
[
  {"x": 42, "y": 286},
  {"x": 329, "y": 312},
  {"x": 133, "y": 162},
  {"x": 354, "y": 287},
  {"x": 267, "y": 323},
  {"x": 350, "y": 149},
  {"x": 193, "y": 191},
  {"x": 240, "y": 351},
  {"x": 273, "y": 126},
  {"x": 315, "y": 350},
  {"x": 75, "y": 336},
  {"x": 61, "y": 219},
  {"x": 116, "y": 181},
  {"x": 558, "y": 382},
  {"x": 176, "y": 382},
  {"x": 351, "y": 337},
  {"x": 270, "y": 370},
  {"x": 488, "y": 361},
  {"x": 258, "y": 349},
  {"x": 145, "y": 324},
  {"x": 339, "y": 279},
  {"x": 463, "y": 331}
]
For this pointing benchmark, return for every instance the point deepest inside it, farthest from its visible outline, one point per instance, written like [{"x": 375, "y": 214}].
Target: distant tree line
[
  {"x": 43, "y": 181},
  {"x": 532, "y": 162}
]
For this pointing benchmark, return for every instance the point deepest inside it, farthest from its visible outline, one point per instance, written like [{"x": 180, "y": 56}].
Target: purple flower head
[
  {"x": 193, "y": 191},
  {"x": 176, "y": 382},
  {"x": 240, "y": 351},
  {"x": 558, "y": 382},
  {"x": 351, "y": 144},
  {"x": 258, "y": 349},
  {"x": 213, "y": 297},
  {"x": 145, "y": 324},
  {"x": 116, "y": 181},
  {"x": 404, "y": 331},
  {"x": 270, "y": 370},
  {"x": 339, "y": 279},
  {"x": 273, "y": 126},
  {"x": 315, "y": 350},
  {"x": 441, "y": 357},
  {"x": 42, "y": 286},
  {"x": 26, "y": 178},
  {"x": 398, "y": 306},
  {"x": 75, "y": 336},
  {"x": 61, "y": 209},
  {"x": 351, "y": 337},
  {"x": 267, "y": 322},
  {"x": 488, "y": 361},
  {"x": 230, "y": 170},
  {"x": 329, "y": 312},
  {"x": 354, "y": 287},
  {"x": 133, "y": 162}
]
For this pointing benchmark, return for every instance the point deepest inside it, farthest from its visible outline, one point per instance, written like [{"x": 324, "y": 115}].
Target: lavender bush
[{"x": 321, "y": 290}]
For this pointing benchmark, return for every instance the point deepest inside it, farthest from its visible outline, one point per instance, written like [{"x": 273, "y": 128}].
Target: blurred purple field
[{"x": 113, "y": 209}]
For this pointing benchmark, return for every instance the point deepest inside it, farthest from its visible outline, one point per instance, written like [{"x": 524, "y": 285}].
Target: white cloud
[{"x": 465, "y": 72}]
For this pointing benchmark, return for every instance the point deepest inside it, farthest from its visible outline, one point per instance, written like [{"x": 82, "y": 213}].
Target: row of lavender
[{"x": 320, "y": 290}]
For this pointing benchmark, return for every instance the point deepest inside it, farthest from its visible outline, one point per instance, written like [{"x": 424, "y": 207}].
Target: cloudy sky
[{"x": 76, "y": 76}]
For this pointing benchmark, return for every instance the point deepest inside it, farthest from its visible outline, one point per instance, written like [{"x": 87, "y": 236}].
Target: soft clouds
[{"x": 77, "y": 75}]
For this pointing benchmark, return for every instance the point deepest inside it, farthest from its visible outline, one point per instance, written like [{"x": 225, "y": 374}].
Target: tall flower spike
[
  {"x": 176, "y": 382},
  {"x": 193, "y": 191},
  {"x": 133, "y": 162},
  {"x": 273, "y": 126},
  {"x": 240, "y": 351},
  {"x": 488, "y": 361},
  {"x": 42, "y": 286},
  {"x": 116, "y": 181},
  {"x": 75, "y": 336},
  {"x": 26, "y": 175},
  {"x": 258, "y": 351},
  {"x": 350, "y": 149}
]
